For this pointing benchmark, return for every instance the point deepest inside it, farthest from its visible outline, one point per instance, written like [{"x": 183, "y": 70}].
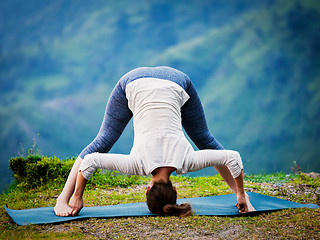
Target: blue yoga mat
[{"x": 223, "y": 205}]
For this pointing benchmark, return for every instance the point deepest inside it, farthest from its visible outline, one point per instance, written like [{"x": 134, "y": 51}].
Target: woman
[{"x": 161, "y": 101}]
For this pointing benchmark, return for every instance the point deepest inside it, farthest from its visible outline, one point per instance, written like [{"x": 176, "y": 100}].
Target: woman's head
[{"x": 162, "y": 199}]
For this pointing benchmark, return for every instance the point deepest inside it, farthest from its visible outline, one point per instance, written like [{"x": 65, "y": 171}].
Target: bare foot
[
  {"x": 76, "y": 204},
  {"x": 250, "y": 207},
  {"x": 62, "y": 209}
]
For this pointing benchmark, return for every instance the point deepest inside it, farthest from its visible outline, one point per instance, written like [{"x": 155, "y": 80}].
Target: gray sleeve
[
  {"x": 209, "y": 158},
  {"x": 117, "y": 162}
]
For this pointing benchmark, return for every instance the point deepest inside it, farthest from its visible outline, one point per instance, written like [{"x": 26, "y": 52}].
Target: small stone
[{"x": 312, "y": 174}]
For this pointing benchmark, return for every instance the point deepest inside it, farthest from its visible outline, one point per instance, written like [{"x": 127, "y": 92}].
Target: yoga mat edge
[{"x": 222, "y": 205}]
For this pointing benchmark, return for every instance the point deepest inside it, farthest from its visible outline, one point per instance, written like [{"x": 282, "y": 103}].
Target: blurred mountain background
[{"x": 255, "y": 64}]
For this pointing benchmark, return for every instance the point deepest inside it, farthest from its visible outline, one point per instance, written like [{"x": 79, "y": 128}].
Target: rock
[{"x": 312, "y": 174}]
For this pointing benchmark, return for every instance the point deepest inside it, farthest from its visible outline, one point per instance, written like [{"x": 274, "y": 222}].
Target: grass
[
  {"x": 273, "y": 177},
  {"x": 286, "y": 224}
]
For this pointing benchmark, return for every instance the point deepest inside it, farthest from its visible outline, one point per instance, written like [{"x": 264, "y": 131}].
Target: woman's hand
[
  {"x": 242, "y": 203},
  {"x": 76, "y": 204}
]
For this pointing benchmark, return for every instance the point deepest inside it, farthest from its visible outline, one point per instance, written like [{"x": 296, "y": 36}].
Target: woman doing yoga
[{"x": 161, "y": 101}]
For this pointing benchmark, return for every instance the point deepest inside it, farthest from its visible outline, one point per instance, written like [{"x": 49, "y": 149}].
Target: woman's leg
[
  {"x": 194, "y": 122},
  {"x": 117, "y": 116}
]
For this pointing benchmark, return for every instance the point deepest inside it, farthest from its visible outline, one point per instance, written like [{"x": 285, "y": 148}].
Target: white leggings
[{"x": 127, "y": 164}]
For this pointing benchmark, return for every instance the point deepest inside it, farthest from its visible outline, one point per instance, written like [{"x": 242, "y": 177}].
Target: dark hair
[{"x": 162, "y": 199}]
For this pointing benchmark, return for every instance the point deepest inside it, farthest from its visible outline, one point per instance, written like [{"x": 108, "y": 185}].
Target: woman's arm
[
  {"x": 241, "y": 197},
  {"x": 227, "y": 177},
  {"x": 62, "y": 208},
  {"x": 76, "y": 202}
]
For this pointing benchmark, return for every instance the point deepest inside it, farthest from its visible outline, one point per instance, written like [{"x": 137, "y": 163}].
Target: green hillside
[{"x": 254, "y": 63}]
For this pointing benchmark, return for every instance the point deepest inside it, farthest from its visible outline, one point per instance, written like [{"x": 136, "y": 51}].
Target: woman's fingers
[
  {"x": 242, "y": 203},
  {"x": 75, "y": 212},
  {"x": 76, "y": 204},
  {"x": 243, "y": 208}
]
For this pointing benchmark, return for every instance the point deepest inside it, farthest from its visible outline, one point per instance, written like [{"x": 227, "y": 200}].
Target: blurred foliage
[
  {"x": 255, "y": 65},
  {"x": 34, "y": 171}
]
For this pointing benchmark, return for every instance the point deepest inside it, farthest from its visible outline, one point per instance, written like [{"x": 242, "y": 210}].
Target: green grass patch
[
  {"x": 303, "y": 179},
  {"x": 109, "y": 188},
  {"x": 273, "y": 177}
]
